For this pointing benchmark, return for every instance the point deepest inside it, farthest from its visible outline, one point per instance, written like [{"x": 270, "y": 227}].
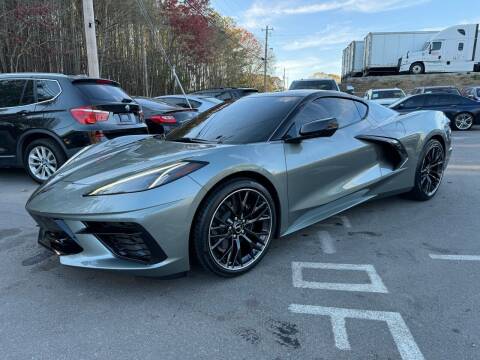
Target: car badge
[{"x": 127, "y": 108}]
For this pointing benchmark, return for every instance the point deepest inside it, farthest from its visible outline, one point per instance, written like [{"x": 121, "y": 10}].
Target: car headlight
[{"x": 149, "y": 179}]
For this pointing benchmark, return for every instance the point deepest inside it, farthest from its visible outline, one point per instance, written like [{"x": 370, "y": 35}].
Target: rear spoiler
[{"x": 96, "y": 81}]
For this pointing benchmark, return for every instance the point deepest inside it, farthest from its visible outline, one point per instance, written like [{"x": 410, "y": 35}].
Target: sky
[{"x": 309, "y": 35}]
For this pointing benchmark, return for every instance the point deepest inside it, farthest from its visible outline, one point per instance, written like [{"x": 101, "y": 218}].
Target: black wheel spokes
[
  {"x": 240, "y": 229},
  {"x": 432, "y": 170}
]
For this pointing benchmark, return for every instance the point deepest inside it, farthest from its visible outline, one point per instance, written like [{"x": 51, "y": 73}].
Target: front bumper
[{"x": 156, "y": 242}]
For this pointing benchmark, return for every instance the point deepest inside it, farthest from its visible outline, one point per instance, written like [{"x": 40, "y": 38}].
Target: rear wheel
[
  {"x": 463, "y": 121},
  {"x": 42, "y": 158},
  {"x": 417, "y": 68},
  {"x": 234, "y": 229},
  {"x": 429, "y": 173}
]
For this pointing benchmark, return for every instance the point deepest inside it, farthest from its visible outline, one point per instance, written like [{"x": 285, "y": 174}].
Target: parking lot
[{"x": 391, "y": 279}]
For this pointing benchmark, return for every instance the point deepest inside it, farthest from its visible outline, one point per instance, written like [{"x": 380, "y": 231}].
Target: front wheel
[
  {"x": 417, "y": 68},
  {"x": 234, "y": 228},
  {"x": 429, "y": 172},
  {"x": 463, "y": 122}
]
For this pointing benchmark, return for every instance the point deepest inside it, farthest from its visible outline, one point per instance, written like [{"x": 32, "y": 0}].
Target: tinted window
[
  {"x": 442, "y": 90},
  {"x": 248, "y": 120},
  {"x": 362, "y": 109},
  {"x": 102, "y": 92},
  {"x": 47, "y": 90},
  {"x": 478, "y": 92},
  {"x": 11, "y": 92},
  {"x": 311, "y": 112},
  {"x": 436, "y": 45},
  {"x": 460, "y": 46},
  {"x": 461, "y": 31},
  {"x": 414, "y": 102},
  {"x": 224, "y": 96},
  {"x": 178, "y": 101},
  {"x": 28, "y": 96},
  {"x": 314, "y": 84},
  {"x": 439, "y": 100}
]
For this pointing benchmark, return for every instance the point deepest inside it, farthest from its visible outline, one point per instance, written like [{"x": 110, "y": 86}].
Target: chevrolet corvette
[{"x": 223, "y": 186}]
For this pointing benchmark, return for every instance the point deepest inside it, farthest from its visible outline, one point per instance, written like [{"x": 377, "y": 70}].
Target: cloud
[
  {"x": 261, "y": 9},
  {"x": 331, "y": 35}
]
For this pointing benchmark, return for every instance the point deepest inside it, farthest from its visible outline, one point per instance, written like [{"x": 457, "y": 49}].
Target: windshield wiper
[{"x": 193, "y": 140}]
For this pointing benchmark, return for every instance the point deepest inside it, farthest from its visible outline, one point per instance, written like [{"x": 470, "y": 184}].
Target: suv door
[
  {"x": 322, "y": 170},
  {"x": 16, "y": 104}
]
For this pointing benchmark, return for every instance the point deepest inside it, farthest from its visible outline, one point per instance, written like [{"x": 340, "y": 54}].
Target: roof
[
  {"x": 34, "y": 75},
  {"x": 390, "y": 89},
  {"x": 315, "y": 79},
  {"x": 437, "y": 87}
]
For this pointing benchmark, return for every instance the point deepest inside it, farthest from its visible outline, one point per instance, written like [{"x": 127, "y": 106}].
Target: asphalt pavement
[{"x": 390, "y": 279}]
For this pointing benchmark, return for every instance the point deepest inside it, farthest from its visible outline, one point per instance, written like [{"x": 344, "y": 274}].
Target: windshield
[
  {"x": 248, "y": 120},
  {"x": 314, "y": 84},
  {"x": 388, "y": 94}
]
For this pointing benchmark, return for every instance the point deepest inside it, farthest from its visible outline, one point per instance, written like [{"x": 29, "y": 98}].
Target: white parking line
[
  {"x": 456, "y": 257},
  {"x": 376, "y": 284},
  {"x": 326, "y": 240},
  {"x": 401, "y": 334},
  {"x": 464, "y": 167}
]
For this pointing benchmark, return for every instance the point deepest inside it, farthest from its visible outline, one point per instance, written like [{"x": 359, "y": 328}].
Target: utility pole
[
  {"x": 90, "y": 39},
  {"x": 284, "y": 80},
  {"x": 265, "y": 59}
]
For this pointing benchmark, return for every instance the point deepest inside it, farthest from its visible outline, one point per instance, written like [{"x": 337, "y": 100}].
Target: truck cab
[{"x": 455, "y": 49}]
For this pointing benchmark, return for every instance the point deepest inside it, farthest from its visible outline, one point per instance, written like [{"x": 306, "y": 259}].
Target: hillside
[{"x": 409, "y": 82}]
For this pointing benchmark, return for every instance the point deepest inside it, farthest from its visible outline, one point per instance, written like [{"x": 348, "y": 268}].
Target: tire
[
  {"x": 42, "y": 158},
  {"x": 431, "y": 165},
  {"x": 223, "y": 226},
  {"x": 417, "y": 68},
  {"x": 463, "y": 121}
]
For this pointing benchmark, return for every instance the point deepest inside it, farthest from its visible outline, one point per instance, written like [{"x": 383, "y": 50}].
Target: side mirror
[
  {"x": 350, "y": 89},
  {"x": 314, "y": 129}
]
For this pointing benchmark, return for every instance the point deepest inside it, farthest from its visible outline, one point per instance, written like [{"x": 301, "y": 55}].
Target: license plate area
[{"x": 126, "y": 118}]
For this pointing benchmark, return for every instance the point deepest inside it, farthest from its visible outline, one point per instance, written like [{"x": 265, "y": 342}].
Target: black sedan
[
  {"x": 161, "y": 117},
  {"x": 462, "y": 112}
]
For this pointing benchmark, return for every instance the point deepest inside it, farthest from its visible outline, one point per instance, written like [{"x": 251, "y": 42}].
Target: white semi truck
[
  {"x": 455, "y": 49},
  {"x": 352, "y": 64}
]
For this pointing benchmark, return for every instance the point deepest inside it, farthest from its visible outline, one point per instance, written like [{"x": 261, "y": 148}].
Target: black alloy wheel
[{"x": 234, "y": 230}]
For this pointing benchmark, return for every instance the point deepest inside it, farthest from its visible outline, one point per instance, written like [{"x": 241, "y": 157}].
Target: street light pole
[{"x": 90, "y": 39}]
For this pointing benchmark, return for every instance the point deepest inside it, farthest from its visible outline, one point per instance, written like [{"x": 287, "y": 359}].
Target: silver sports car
[{"x": 221, "y": 187}]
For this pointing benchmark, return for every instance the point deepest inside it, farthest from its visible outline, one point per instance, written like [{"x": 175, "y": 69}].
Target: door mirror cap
[{"x": 314, "y": 129}]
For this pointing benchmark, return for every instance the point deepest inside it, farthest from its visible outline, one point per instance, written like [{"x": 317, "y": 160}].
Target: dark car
[
  {"x": 46, "y": 118},
  {"x": 161, "y": 117},
  {"x": 436, "y": 90},
  {"x": 226, "y": 93},
  {"x": 314, "y": 84},
  {"x": 462, "y": 112},
  {"x": 472, "y": 93}
]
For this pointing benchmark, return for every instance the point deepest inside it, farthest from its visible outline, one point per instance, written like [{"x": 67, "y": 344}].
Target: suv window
[
  {"x": 99, "y": 92},
  {"x": 313, "y": 84},
  {"x": 11, "y": 92},
  {"x": 28, "y": 95},
  {"x": 180, "y": 101},
  {"x": 47, "y": 89}
]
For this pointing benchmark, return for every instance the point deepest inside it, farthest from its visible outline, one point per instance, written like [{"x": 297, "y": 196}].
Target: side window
[
  {"x": 414, "y": 102},
  {"x": 436, "y": 45},
  {"x": 224, "y": 96},
  {"x": 460, "y": 46},
  {"x": 47, "y": 90},
  {"x": 344, "y": 110},
  {"x": 461, "y": 31},
  {"x": 11, "y": 92},
  {"x": 28, "y": 96},
  {"x": 311, "y": 112},
  {"x": 362, "y": 109},
  {"x": 438, "y": 100}
]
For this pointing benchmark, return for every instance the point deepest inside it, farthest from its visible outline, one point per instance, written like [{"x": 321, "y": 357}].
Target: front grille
[
  {"x": 56, "y": 235},
  {"x": 127, "y": 241}
]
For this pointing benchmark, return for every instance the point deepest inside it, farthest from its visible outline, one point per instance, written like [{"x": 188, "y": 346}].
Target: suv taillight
[
  {"x": 88, "y": 115},
  {"x": 163, "y": 119}
]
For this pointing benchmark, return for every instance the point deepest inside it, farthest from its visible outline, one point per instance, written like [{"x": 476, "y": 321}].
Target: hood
[{"x": 124, "y": 156}]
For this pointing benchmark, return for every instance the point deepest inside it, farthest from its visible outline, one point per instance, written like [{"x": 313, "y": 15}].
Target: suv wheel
[{"x": 42, "y": 158}]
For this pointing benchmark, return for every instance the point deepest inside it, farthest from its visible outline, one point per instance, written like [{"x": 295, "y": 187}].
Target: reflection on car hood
[{"x": 127, "y": 155}]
